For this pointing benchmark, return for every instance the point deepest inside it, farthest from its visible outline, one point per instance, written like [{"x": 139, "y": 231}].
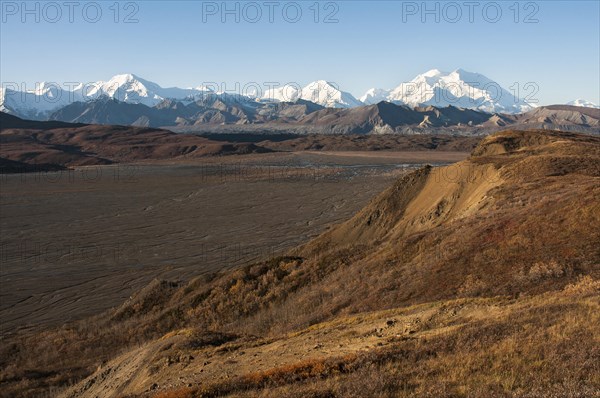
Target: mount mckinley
[{"x": 460, "y": 100}]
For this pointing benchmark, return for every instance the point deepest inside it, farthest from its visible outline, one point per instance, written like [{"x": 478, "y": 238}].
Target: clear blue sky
[{"x": 372, "y": 44}]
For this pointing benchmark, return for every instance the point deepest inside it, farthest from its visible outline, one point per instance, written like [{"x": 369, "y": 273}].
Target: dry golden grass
[
  {"x": 519, "y": 220},
  {"x": 542, "y": 346}
]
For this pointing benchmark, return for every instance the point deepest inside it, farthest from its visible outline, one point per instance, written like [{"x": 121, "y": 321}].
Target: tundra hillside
[{"x": 476, "y": 279}]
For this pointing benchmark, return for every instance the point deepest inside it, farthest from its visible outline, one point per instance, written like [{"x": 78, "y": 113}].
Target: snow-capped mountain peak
[
  {"x": 123, "y": 78},
  {"x": 35, "y": 103},
  {"x": 328, "y": 94},
  {"x": 432, "y": 73},
  {"x": 374, "y": 96},
  {"x": 458, "y": 88},
  {"x": 285, "y": 93},
  {"x": 583, "y": 103},
  {"x": 134, "y": 89},
  {"x": 321, "y": 92},
  {"x": 126, "y": 88}
]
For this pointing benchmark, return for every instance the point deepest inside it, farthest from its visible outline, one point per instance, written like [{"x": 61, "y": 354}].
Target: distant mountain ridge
[
  {"x": 459, "y": 102},
  {"x": 228, "y": 113},
  {"x": 458, "y": 88}
]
